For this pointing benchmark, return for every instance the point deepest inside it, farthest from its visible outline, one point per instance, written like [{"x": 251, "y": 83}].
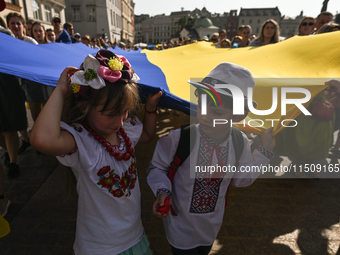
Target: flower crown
[{"x": 105, "y": 65}]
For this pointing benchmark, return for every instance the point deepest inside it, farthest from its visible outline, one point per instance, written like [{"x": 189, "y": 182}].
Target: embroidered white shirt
[
  {"x": 198, "y": 202},
  {"x": 109, "y": 211}
]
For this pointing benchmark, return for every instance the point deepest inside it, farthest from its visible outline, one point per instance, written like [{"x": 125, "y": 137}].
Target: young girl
[
  {"x": 39, "y": 33},
  {"x": 269, "y": 34},
  {"x": 97, "y": 142}
]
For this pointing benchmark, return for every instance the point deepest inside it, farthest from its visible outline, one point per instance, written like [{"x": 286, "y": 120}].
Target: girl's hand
[
  {"x": 267, "y": 140},
  {"x": 64, "y": 83},
  {"x": 151, "y": 103},
  {"x": 160, "y": 202}
]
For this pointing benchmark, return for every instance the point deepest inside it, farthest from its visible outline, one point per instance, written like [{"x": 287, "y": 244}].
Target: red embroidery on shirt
[
  {"x": 207, "y": 186},
  {"x": 133, "y": 120},
  {"x": 116, "y": 185}
]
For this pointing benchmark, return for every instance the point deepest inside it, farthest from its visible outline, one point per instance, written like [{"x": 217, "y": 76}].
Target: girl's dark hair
[
  {"x": 15, "y": 15},
  {"x": 114, "y": 97}
]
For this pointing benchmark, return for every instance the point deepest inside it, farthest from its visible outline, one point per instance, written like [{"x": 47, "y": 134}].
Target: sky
[{"x": 290, "y": 8}]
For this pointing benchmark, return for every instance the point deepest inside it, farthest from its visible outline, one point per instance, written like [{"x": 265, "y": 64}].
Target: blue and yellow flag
[{"x": 304, "y": 62}]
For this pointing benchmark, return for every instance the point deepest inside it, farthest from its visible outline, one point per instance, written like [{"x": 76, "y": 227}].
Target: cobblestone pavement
[{"x": 273, "y": 216}]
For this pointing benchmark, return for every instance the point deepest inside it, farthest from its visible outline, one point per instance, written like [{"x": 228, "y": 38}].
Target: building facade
[
  {"x": 127, "y": 12},
  {"x": 220, "y": 20},
  {"x": 175, "y": 18},
  {"x": 147, "y": 31},
  {"x": 255, "y": 17},
  {"x": 205, "y": 27},
  {"x": 37, "y": 10},
  {"x": 198, "y": 23},
  {"x": 98, "y": 17},
  {"x": 232, "y": 24},
  {"x": 290, "y": 26},
  {"x": 161, "y": 29},
  {"x": 138, "y": 27}
]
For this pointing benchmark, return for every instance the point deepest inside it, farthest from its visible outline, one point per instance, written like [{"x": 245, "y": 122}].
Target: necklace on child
[{"x": 110, "y": 148}]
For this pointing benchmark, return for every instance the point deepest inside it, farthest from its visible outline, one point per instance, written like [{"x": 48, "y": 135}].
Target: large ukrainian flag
[{"x": 304, "y": 62}]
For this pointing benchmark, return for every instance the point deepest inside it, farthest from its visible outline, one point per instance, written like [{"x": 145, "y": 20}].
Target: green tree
[{"x": 182, "y": 21}]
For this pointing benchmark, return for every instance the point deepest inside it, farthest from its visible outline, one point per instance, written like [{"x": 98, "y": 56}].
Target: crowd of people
[{"x": 94, "y": 135}]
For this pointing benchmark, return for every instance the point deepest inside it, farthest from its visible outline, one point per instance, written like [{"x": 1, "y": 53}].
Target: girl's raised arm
[{"x": 46, "y": 135}]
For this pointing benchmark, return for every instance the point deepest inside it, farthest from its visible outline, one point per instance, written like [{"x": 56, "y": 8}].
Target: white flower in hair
[
  {"x": 89, "y": 76},
  {"x": 135, "y": 78}
]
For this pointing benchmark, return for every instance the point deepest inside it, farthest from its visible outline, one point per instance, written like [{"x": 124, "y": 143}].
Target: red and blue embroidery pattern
[
  {"x": 267, "y": 153},
  {"x": 133, "y": 120},
  {"x": 206, "y": 190},
  {"x": 116, "y": 185},
  {"x": 77, "y": 128}
]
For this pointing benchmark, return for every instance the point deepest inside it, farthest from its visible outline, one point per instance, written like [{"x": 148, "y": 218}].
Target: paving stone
[{"x": 275, "y": 216}]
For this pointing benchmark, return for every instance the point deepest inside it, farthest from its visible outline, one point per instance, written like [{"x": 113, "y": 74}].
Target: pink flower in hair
[{"x": 113, "y": 67}]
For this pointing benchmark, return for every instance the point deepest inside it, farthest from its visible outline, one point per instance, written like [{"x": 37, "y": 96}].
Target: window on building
[
  {"x": 91, "y": 13},
  {"x": 36, "y": 9},
  {"x": 76, "y": 14},
  {"x": 259, "y": 13},
  {"x": 56, "y": 13},
  {"x": 242, "y": 21},
  {"x": 258, "y": 21},
  {"x": 250, "y": 13},
  {"x": 250, "y": 21},
  {"x": 266, "y": 13},
  {"x": 48, "y": 16},
  {"x": 117, "y": 19},
  {"x": 257, "y": 30},
  {"x": 276, "y": 12},
  {"x": 111, "y": 17},
  {"x": 15, "y": 2}
]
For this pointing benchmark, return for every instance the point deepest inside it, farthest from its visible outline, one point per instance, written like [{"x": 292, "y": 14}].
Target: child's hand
[
  {"x": 65, "y": 80},
  {"x": 151, "y": 103},
  {"x": 160, "y": 202},
  {"x": 332, "y": 93},
  {"x": 267, "y": 140}
]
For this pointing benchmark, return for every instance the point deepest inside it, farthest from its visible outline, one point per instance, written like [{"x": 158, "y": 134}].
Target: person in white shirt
[
  {"x": 198, "y": 197},
  {"x": 97, "y": 142}
]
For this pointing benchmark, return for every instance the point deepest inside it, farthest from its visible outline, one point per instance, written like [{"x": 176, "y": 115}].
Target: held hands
[
  {"x": 161, "y": 203},
  {"x": 152, "y": 101},
  {"x": 267, "y": 140},
  {"x": 64, "y": 83}
]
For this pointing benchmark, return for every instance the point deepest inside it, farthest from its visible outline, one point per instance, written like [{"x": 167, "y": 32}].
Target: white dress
[
  {"x": 198, "y": 201},
  {"x": 109, "y": 210}
]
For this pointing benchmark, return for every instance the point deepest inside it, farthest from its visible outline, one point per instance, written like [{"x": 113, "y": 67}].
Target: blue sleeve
[
  {"x": 254, "y": 43},
  {"x": 64, "y": 37}
]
